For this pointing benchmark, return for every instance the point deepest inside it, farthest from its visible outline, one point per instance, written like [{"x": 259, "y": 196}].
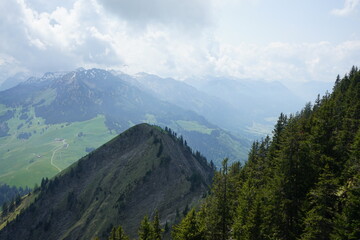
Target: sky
[{"x": 274, "y": 40}]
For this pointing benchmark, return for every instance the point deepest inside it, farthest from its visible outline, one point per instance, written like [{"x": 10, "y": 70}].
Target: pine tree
[
  {"x": 347, "y": 222},
  {"x": 145, "y": 230},
  {"x": 120, "y": 234},
  {"x": 157, "y": 230},
  {"x": 217, "y": 210},
  {"x": 294, "y": 177},
  {"x": 188, "y": 229},
  {"x": 319, "y": 219},
  {"x": 112, "y": 235}
]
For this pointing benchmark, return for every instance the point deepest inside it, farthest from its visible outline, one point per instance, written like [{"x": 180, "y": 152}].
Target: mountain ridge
[{"x": 128, "y": 177}]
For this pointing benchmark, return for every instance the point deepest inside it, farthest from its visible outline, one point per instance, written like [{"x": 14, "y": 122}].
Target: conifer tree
[
  {"x": 157, "y": 230},
  {"x": 347, "y": 223},
  {"x": 120, "y": 234},
  {"x": 145, "y": 230},
  {"x": 112, "y": 234},
  {"x": 217, "y": 209},
  {"x": 319, "y": 219},
  {"x": 117, "y": 234},
  {"x": 293, "y": 178},
  {"x": 188, "y": 228}
]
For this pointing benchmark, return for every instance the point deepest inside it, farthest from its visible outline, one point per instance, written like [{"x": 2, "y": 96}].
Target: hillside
[
  {"x": 132, "y": 175},
  {"x": 304, "y": 183},
  {"x": 48, "y": 123}
]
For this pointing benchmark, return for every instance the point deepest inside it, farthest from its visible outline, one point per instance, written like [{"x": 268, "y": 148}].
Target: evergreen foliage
[
  {"x": 145, "y": 230},
  {"x": 188, "y": 229},
  {"x": 157, "y": 230},
  {"x": 9, "y": 194},
  {"x": 116, "y": 234},
  {"x": 304, "y": 183}
]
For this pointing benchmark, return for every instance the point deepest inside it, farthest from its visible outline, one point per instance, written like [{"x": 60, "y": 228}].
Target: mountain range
[
  {"x": 230, "y": 103},
  {"x": 48, "y": 123}
]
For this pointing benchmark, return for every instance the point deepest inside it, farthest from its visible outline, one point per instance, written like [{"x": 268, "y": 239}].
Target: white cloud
[
  {"x": 62, "y": 39},
  {"x": 84, "y": 34},
  {"x": 287, "y": 62},
  {"x": 349, "y": 7},
  {"x": 185, "y": 14}
]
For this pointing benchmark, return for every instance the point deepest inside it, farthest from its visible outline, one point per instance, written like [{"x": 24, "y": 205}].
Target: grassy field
[{"x": 49, "y": 149}]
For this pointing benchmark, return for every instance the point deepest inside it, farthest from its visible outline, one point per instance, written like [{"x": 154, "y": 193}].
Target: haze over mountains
[
  {"x": 50, "y": 122},
  {"x": 228, "y": 102}
]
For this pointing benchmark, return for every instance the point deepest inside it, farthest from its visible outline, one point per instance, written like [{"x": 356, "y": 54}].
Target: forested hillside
[{"x": 304, "y": 183}]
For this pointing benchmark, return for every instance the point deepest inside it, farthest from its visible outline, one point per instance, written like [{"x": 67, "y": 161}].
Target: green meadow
[
  {"x": 49, "y": 148},
  {"x": 194, "y": 126}
]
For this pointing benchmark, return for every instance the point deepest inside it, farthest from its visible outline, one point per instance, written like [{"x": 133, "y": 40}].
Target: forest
[{"x": 303, "y": 183}]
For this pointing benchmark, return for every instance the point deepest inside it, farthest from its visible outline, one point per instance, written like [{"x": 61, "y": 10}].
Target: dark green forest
[{"x": 303, "y": 183}]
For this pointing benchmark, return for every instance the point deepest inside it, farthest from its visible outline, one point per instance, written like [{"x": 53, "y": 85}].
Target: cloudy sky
[{"x": 288, "y": 41}]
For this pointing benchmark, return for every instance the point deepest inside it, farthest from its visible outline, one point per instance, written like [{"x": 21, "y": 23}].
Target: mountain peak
[{"x": 132, "y": 175}]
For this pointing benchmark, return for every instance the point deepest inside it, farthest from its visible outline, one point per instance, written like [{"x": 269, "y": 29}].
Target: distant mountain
[
  {"x": 14, "y": 80},
  {"x": 214, "y": 109},
  {"x": 257, "y": 103},
  {"x": 232, "y": 104},
  {"x": 47, "y": 123},
  {"x": 309, "y": 90},
  {"x": 138, "y": 172}
]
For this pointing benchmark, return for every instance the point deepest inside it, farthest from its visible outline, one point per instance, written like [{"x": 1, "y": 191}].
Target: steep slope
[
  {"x": 142, "y": 170},
  {"x": 47, "y": 123}
]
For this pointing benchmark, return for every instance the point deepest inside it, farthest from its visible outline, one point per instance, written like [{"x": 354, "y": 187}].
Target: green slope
[{"x": 49, "y": 149}]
